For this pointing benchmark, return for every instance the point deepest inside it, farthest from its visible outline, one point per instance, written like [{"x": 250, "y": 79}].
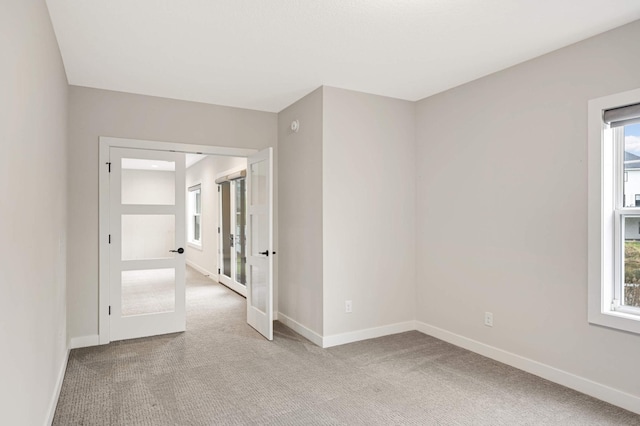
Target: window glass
[
  {"x": 630, "y": 291},
  {"x": 631, "y": 286},
  {"x": 226, "y": 231},
  {"x": 241, "y": 225},
  {"x": 197, "y": 201},
  {"x": 631, "y": 179},
  {"x": 195, "y": 209}
]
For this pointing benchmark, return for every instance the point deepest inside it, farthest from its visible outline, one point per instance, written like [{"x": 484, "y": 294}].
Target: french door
[
  {"x": 232, "y": 196},
  {"x": 147, "y": 240},
  {"x": 260, "y": 242}
]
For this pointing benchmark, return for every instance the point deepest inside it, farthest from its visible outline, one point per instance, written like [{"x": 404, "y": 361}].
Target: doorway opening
[{"x": 159, "y": 213}]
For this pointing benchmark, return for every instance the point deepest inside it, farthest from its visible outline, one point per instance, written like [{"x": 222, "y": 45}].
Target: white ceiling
[{"x": 265, "y": 55}]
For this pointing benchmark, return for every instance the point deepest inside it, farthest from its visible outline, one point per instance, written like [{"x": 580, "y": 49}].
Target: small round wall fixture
[{"x": 295, "y": 126}]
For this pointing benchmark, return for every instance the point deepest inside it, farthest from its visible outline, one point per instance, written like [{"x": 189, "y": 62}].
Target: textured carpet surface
[{"x": 221, "y": 371}]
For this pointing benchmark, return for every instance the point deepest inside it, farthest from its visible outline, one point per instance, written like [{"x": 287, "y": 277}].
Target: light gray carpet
[
  {"x": 222, "y": 372},
  {"x": 148, "y": 291}
]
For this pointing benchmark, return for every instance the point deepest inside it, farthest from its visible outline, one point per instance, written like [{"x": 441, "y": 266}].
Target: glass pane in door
[
  {"x": 259, "y": 242},
  {"x": 148, "y": 236},
  {"x": 241, "y": 231},
  {"x": 148, "y": 291},
  {"x": 259, "y": 183},
  {"x": 150, "y": 182},
  {"x": 225, "y": 233},
  {"x": 259, "y": 234},
  {"x": 258, "y": 288}
]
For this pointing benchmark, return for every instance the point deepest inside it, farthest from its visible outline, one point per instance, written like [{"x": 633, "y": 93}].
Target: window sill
[
  {"x": 617, "y": 320},
  {"x": 195, "y": 245}
]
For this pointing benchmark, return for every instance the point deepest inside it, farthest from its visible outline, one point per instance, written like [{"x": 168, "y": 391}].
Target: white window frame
[
  {"x": 192, "y": 213},
  {"x": 605, "y": 271}
]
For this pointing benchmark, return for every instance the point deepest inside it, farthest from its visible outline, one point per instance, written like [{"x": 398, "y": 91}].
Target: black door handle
[
  {"x": 180, "y": 250},
  {"x": 266, "y": 253}
]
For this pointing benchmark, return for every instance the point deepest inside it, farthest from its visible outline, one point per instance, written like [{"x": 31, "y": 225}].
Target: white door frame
[{"x": 103, "y": 206}]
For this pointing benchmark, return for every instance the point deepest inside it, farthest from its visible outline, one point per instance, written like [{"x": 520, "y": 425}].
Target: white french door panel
[
  {"x": 230, "y": 276},
  {"x": 147, "y": 231},
  {"x": 260, "y": 242},
  {"x": 226, "y": 252}
]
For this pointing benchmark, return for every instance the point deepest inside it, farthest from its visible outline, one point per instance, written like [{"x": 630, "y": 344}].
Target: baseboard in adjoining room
[
  {"x": 561, "y": 377},
  {"x": 58, "y": 388},
  {"x": 241, "y": 290},
  {"x": 203, "y": 271}
]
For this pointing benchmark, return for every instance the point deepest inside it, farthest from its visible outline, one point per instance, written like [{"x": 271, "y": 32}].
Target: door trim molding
[{"x": 105, "y": 144}]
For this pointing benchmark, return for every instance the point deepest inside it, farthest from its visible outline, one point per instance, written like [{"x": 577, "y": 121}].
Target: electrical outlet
[
  {"x": 348, "y": 307},
  {"x": 488, "y": 319}
]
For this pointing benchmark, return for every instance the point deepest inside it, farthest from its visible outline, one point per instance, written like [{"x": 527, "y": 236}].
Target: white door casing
[
  {"x": 105, "y": 184},
  {"x": 260, "y": 242},
  {"x": 150, "y": 253}
]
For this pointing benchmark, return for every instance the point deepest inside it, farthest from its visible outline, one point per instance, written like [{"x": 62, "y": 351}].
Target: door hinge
[
  {"x": 109, "y": 238},
  {"x": 109, "y": 164},
  {"x": 218, "y": 188},
  {"x": 218, "y": 229},
  {"x": 218, "y": 271},
  {"x": 109, "y": 309}
]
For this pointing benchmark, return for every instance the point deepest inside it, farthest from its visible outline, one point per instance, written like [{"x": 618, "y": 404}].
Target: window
[
  {"x": 614, "y": 211},
  {"x": 195, "y": 208}
]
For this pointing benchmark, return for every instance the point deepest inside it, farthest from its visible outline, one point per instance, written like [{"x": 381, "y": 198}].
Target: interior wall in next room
[
  {"x": 204, "y": 173},
  {"x": 147, "y": 237}
]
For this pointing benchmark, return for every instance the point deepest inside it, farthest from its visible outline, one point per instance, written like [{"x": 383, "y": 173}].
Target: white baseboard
[
  {"x": 367, "y": 333},
  {"x": 84, "y": 341},
  {"x": 305, "y": 332},
  {"x": 586, "y": 386},
  {"x": 240, "y": 289},
  {"x": 202, "y": 270},
  {"x": 56, "y": 392}
]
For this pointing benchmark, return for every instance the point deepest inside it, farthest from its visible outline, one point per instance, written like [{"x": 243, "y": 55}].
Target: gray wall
[
  {"x": 33, "y": 164},
  {"x": 522, "y": 135},
  {"x": 369, "y": 210},
  {"x": 300, "y": 212},
  {"x": 94, "y": 113}
]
